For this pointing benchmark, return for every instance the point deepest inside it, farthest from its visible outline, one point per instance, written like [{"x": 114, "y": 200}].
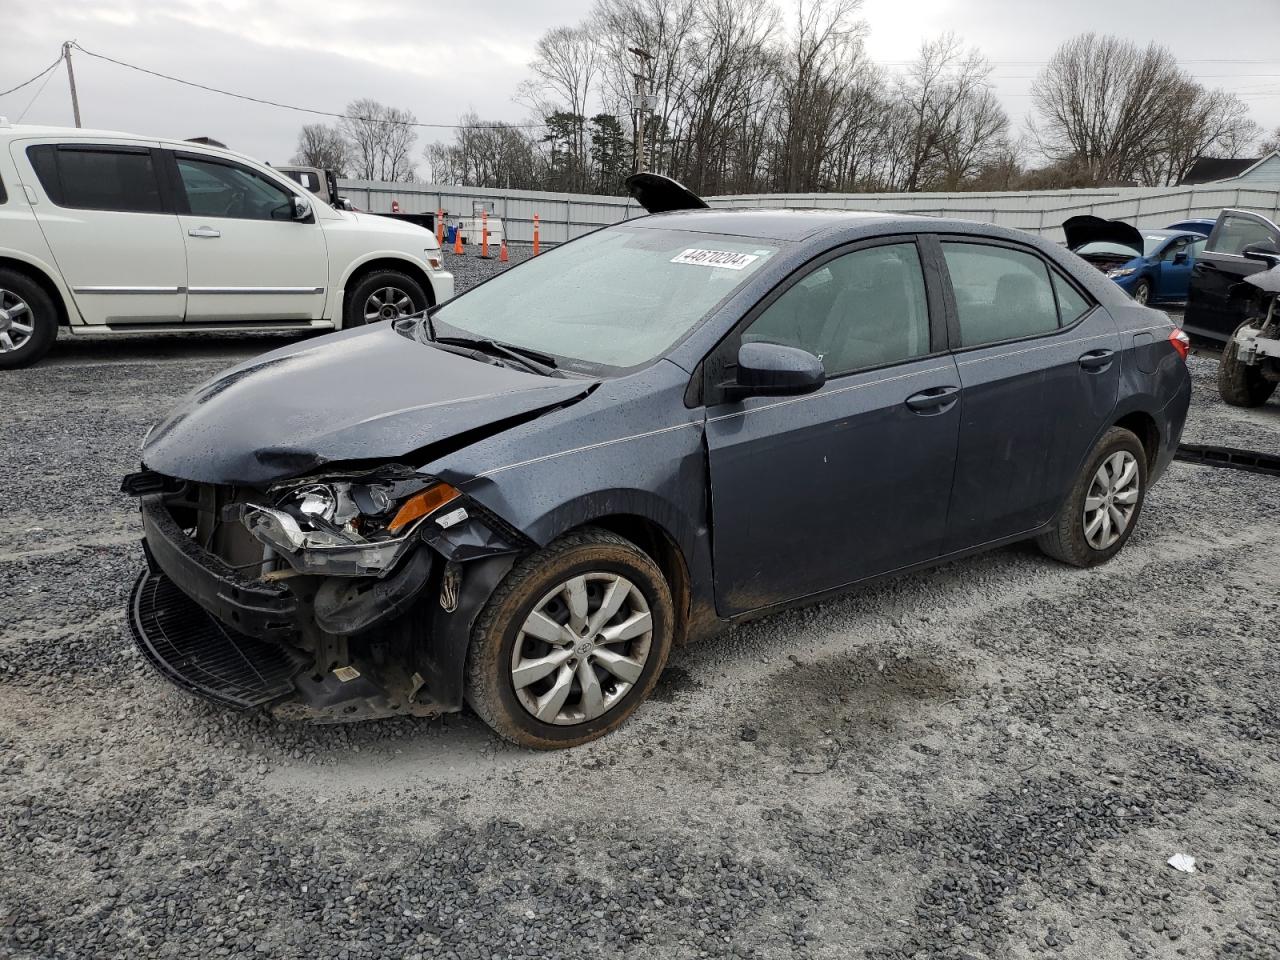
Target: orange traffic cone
[
  {"x": 484, "y": 234},
  {"x": 535, "y": 234},
  {"x": 502, "y": 251},
  {"x": 440, "y": 228},
  {"x": 457, "y": 240}
]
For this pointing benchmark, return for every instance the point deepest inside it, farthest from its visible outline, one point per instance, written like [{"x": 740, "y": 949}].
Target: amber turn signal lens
[{"x": 421, "y": 504}]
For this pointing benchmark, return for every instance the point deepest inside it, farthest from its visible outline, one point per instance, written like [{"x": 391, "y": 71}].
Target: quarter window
[
  {"x": 222, "y": 190},
  {"x": 1236, "y": 233},
  {"x": 98, "y": 178},
  {"x": 863, "y": 309},
  {"x": 1001, "y": 294},
  {"x": 1072, "y": 304}
]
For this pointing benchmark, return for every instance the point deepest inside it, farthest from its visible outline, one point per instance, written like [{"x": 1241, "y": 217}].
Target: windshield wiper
[{"x": 539, "y": 363}]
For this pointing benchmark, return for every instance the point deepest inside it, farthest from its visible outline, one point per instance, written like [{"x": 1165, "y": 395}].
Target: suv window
[
  {"x": 1072, "y": 304},
  {"x": 122, "y": 179},
  {"x": 217, "y": 189},
  {"x": 1001, "y": 294},
  {"x": 862, "y": 309},
  {"x": 1236, "y": 233}
]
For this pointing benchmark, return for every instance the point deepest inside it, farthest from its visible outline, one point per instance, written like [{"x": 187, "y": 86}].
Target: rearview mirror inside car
[
  {"x": 1263, "y": 250},
  {"x": 773, "y": 370}
]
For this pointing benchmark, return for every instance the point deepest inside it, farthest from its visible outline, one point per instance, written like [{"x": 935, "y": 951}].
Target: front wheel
[
  {"x": 1103, "y": 505},
  {"x": 1241, "y": 384},
  {"x": 383, "y": 295},
  {"x": 572, "y": 641},
  {"x": 1142, "y": 292}
]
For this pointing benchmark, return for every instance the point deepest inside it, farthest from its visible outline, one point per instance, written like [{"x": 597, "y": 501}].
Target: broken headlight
[{"x": 345, "y": 527}]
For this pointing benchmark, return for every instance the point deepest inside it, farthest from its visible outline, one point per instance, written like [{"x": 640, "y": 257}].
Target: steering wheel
[{"x": 235, "y": 203}]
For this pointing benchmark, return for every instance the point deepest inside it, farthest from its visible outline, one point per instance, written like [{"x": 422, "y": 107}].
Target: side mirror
[
  {"x": 301, "y": 208},
  {"x": 772, "y": 370},
  {"x": 1180, "y": 258},
  {"x": 1264, "y": 251}
]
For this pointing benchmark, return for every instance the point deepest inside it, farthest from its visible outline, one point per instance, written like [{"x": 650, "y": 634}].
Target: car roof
[
  {"x": 25, "y": 130},
  {"x": 775, "y": 224}
]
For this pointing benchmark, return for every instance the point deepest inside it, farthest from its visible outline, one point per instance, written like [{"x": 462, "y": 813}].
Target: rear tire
[
  {"x": 28, "y": 320},
  {"x": 383, "y": 295},
  {"x": 1239, "y": 384},
  {"x": 1104, "y": 493},
  {"x": 541, "y": 669}
]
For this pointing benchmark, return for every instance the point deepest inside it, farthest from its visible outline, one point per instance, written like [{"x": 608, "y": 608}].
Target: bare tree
[
  {"x": 486, "y": 155},
  {"x": 321, "y": 145},
  {"x": 1203, "y": 123},
  {"x": 1270, "y": 143},
  {"x": 564, "y": 70},
  {"x": 381, "y": 140}
]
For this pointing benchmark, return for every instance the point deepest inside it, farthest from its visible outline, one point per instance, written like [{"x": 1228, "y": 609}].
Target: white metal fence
[{"x": 566, "y": 215}]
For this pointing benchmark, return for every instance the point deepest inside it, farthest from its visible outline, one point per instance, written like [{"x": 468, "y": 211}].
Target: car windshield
[
  {"x": 1102, "y": 248},
  {"x": 616, "y": 298}
]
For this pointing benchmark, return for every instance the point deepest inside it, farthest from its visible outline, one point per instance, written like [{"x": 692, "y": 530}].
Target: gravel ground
[{"x": 993, "y": 759}]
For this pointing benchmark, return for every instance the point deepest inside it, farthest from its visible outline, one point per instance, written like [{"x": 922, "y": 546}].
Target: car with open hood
[
  {"x": 523, "y": 499},
  {"x": 1152, "y": 266}
]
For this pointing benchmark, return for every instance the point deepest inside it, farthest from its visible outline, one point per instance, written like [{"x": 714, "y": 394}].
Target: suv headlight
[
  {"x": 343, "y": 527},
  {"x": 435, "y": 258}
]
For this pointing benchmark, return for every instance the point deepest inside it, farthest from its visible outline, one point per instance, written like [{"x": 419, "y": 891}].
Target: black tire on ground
[
  {"x": 490, "y": 686},
  {"x": 1239, "y": 384},
  {"x": 1066, "y": 540},
  {"x": 353, "y": 313},
  {"x": 1142, "y": 292},
  {"x": 39, "y": 314}
]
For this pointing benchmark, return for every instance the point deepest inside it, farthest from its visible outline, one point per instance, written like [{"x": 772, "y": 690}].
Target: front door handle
[
  {"x": 1095, "y": 361},
  {"x": 933, "y": 400},
  {"x": 208, "y": 232}
]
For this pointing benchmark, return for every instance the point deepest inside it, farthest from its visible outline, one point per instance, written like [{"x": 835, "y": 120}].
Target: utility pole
[
  {"x": 641, "y": 103},
  {"x": 71, "y": 76}
]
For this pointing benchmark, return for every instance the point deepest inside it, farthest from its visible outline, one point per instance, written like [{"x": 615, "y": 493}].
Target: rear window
[{"x": 98, "y": 178}]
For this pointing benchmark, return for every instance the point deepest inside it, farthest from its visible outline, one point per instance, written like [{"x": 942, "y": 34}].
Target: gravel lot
[{"x": 993, "y": 759}]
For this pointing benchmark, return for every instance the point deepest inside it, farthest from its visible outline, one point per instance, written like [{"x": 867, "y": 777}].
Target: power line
[
  {"x": 24, "y": 83},
  {"x": 32, "y": 102},
  {"x": 290, "y": 106}
]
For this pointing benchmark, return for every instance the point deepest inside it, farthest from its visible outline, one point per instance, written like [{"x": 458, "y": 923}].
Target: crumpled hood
[
  {"x": 366, "y": 394},
  {"x": 1088, "y": 229}
]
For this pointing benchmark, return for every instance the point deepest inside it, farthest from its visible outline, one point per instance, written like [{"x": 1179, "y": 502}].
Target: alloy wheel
[
  {"x": 1112, "y": 499},
  {"x": 388, "y": 303},
  {"x": 1142, "y": 294},
  {"x": 584, "y": 645},
  {"x": 16, "y": 322}
]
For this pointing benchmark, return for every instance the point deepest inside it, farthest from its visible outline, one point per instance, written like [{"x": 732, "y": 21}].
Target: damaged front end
[{"x": 342, "y": 596}]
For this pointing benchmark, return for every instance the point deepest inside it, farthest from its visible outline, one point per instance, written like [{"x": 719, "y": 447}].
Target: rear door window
[
  {"x": 121, "y": 179},
  {"x": 1001, "y": 294},
  {"x": 1072, "y": 304}
]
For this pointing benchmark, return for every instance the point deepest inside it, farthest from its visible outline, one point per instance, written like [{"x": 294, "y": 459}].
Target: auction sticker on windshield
[{"x": 716, "y": 258}]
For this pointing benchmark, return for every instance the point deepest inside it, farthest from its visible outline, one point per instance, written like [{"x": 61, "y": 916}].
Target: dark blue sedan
[
  {"x": 523, "y": 499},
  {"x": 1152, "y": 266}
]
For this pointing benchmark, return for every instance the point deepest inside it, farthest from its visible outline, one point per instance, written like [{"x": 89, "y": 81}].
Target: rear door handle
[
  {"x": 1096, "y": 361},
  {"x": 933, "y": 400},
  {"x": 204, "y": 232}
]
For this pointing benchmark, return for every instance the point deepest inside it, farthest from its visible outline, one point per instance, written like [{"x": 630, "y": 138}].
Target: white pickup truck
[{"x": 109, "y": 233}]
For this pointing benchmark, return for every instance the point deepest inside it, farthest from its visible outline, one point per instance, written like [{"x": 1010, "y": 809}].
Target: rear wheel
[
  {"x": 28, "y": 320},
  {"x": 1240, "y": 384},
  {"x": 571, "y": 642},
  {"x": 383, "y": 295},
  {"x": 1104, "y": 503}
]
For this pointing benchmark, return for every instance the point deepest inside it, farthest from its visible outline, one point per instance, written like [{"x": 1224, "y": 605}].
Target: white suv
[{"x": 107, "y": 233}]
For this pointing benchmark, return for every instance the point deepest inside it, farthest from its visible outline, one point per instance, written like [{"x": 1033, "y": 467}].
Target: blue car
[{"x": 1152, "y": 266}]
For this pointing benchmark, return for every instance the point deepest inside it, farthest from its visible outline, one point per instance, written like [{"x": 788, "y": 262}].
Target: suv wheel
[
  {"x": 383, "y": 295},
  {"x": 1240, "y": 384},
  {"x": 28, "y": 320},
  {"x": 1104, "y": 503},
  {"x": 571, "y": 642}
]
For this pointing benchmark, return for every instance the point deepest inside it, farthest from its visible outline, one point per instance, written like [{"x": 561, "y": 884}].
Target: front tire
[
  {"x": 383, "y": 295},
  {"x": 28, "y": 320},
  {"x": 1104, "y": 503},
  {"x": 1142, "y": 292},
  {"x": 572, "y": 641},
  {"x": 1240, "y": 384}
]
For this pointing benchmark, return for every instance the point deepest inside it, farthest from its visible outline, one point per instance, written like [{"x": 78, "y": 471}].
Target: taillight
[{"x": 1181, "y": 342}]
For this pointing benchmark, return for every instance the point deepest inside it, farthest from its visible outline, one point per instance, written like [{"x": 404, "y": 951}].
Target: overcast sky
[{"x": 440, "y": 59}]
